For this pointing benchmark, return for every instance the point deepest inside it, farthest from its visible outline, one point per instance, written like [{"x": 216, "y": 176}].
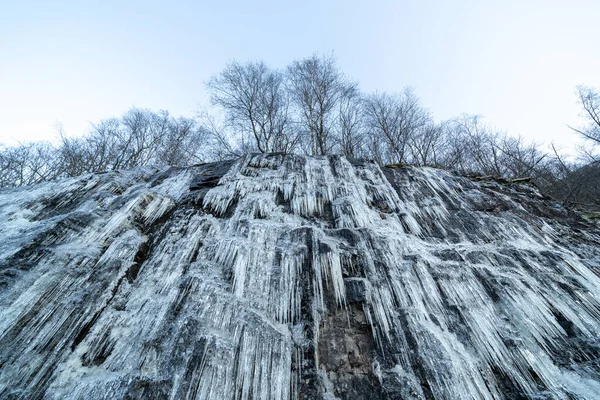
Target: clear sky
[{"x": 514, "y": 62}]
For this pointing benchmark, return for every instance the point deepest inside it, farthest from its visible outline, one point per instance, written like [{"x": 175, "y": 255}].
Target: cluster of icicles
[{"x": 216, "y": 308}]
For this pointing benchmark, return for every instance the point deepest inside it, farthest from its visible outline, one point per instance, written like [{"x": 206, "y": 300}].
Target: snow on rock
[{"x": 281, "y": 276}]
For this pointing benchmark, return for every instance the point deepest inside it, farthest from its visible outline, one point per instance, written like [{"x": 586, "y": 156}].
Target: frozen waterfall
[{"x": 289, "y": 277}]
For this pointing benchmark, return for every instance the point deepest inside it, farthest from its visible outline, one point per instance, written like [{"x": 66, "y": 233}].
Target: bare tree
[
  {"x": 394, "y": 120},
  {"x": 97, "y": 151},
  {"x": 351, "y": 135},
  {"x": 427, "y": 144},
  {"x": 254, "y": 100},
  {"x": 27, "y": 164},
  {"x": 520, "y": 159},
  {"x": 139, "y": 137},
  {"x": 479, "y": 141},
  {"x": 472, "y": 147},
  {"x": 220, "y": 144},
  {"x": 589, "y": 99},
  {"x": 575, "y": 185},
  {"x": 181, "y": 144},
  {"x": 316, "y": 86}
]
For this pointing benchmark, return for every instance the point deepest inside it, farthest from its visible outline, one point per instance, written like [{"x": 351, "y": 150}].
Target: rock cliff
[{"x": 289, "y": 277}]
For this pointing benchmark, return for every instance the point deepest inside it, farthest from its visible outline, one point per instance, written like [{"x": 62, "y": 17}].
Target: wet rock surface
[{"x": 281, "y": 277}]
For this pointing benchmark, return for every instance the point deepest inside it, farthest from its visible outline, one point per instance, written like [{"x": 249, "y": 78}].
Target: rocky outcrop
[{"x": 281, "y": 276}]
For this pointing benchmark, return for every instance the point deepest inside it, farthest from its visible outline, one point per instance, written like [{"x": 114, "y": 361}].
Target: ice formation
[{"x": 289, "y": 277}]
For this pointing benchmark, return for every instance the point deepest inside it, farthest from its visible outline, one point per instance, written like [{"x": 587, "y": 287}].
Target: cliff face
[{"x": 276, "y": 277}]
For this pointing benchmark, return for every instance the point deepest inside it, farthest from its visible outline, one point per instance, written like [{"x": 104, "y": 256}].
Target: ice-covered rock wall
[{"x": 288, "y": 277}]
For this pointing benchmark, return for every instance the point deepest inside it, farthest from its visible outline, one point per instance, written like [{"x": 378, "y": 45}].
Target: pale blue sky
[{"x": 515, "y": 62}]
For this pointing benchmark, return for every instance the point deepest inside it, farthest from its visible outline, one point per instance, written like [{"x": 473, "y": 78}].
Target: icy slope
[{"x": 276, "y": 277}]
